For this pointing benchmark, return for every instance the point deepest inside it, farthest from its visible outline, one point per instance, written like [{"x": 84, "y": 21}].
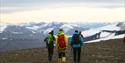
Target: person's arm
[
  {"x": 66, "y": 40},
  {"x": 45, "y": 39},
  {"x": 54, "y": 38},
  {"x": 56, "y": 42},
  {"x": 71, "y": 41}
]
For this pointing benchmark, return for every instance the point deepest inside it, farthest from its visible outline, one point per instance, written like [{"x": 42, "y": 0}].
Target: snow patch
[
  {"x": 110, "y": 27},
  {"x": 33, "y": 28},
  {"x": 74, "y": 25},
  {"x": 45, "y": 25},
  {"x": 107, "y": 38},
  {"x": 66, "y": 27},
  {"x": 17, "y": 32},
  {"x": 2, "y": 28},
  {"x": 90, "y": 32},
  {"x": 48, "y": 30},
  {"x": 4, "y": 38}
]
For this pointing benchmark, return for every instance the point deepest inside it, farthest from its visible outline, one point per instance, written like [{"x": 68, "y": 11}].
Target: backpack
[
  {"x": 50, "y": 41},
  {"x": 76, "y": 39},
  {"x": 61, "y": 42}
]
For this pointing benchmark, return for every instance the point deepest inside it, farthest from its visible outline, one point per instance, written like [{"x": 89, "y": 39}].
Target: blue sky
[{"x": 23, "y": 11}]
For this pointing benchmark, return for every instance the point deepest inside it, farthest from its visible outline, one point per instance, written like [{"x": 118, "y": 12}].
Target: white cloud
[
  {"x": 18, "y": 11},
  {"x": 70, "y": 14}
]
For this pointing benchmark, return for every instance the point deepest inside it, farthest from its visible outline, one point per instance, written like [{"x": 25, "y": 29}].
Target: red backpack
[{"x": 61, "y": 42}]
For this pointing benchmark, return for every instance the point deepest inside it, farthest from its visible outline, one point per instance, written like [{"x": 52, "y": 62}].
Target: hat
[
  {"x": 76, "y": 31},
  {"x": 51, "y": 32},
  {"x": 61, "y": 29}
]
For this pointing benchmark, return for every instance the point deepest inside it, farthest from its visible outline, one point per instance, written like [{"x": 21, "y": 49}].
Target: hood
[
  {"x": 76, "y": 33},
  {"x": 60, "y": 33}
]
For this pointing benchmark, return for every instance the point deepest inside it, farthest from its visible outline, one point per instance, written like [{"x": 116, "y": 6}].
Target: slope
[{"x": 110, "y": 51}]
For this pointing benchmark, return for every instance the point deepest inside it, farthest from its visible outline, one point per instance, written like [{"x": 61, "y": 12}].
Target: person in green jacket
[{"x": 50, "y": 44}]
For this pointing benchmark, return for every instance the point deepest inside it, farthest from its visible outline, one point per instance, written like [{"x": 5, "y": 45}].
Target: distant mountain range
[
  {"x": 38, "y": 30},
  {"x": 31, "y": 35}
]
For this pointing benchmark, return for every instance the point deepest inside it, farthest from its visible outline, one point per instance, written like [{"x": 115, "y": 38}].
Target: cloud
[
  {"x": 9, "y": 6},
  {"x": 61, "y": 10},
  {"x": 24, "y": 3},
  {"x": 74, "y": 14}
]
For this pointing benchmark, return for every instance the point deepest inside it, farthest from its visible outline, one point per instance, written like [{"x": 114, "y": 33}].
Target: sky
[{"x": 24, "y": 11}]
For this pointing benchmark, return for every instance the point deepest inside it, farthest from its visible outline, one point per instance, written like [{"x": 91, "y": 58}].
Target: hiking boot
[
  {"x": 75, "y": 61},
  {"x": 59, "y": 60},
  {"x": 63, "y": 59}
]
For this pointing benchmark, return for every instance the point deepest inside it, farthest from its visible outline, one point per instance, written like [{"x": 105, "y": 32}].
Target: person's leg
[
  {"x": 74, "y": 54},
  {"x": 63, "y": 56},
  {"x": 59, "y": 57},
  {"x": 49, "y": 54},
  {"x": 79, "y": 54}
]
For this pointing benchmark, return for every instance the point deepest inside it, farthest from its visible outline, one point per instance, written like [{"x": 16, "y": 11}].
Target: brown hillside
[{"x": 111, "y": 51}]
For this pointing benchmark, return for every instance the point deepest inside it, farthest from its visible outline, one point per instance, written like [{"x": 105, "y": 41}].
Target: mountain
[
  {"x": 111, "y": 27},
  {"x": 103, "y": 32},
  {"x": 121, "y": 25},
  {"x": 37, "y": 30},
  {"x": 31, "y": 35}
]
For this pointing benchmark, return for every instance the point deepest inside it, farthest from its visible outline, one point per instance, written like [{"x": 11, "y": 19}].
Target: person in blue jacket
[{"x": 76, "y": 43}]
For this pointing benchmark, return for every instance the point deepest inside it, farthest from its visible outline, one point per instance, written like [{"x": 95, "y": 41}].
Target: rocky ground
[{"x": 111, "y": 51}]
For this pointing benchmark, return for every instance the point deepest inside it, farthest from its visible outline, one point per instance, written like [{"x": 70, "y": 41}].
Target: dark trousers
[
  {"x": 61, "y": 54},
  {"x": 50, "y": 53},
  {"x": 77, "y": 53}
]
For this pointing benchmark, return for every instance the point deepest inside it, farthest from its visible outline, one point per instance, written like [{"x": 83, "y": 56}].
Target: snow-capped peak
[
  {"x": 66, "y": 27},
  {"x": 33, "y": 28},
  {"x": 2, "y": 27},
  {"x": 48, "y": 30},
  {"x": 111, "y": 27}
]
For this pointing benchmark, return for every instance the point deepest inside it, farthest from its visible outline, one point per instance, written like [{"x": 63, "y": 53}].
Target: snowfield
[
  {"x": 48, "y": 30},
  {"x": 111, "y": 27},
  {"x": 107, "y": 38},
  {"x": 66, "y": 27},
  {"x": 2, "y": 27}
]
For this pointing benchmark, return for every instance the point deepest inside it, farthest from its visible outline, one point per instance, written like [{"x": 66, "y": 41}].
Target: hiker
[
  {"x": 61, "y": 44},
  {"x": 124, "y": 39},
  {"x": 76, "y": 43},
  {"x": 50, "y": 44}
]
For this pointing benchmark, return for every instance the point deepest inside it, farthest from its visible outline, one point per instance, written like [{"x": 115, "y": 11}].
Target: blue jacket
[{"x": 77, "y": 45}]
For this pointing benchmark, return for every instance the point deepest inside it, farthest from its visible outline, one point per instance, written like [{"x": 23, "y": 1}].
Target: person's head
[
  {"x": 80, "y": 32},
  {"x": 61, "y": 29},
  {"x": 76, "y": 31},
  {"x": 51, "y": 32},
  {"x": 60, "y": 32}
]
